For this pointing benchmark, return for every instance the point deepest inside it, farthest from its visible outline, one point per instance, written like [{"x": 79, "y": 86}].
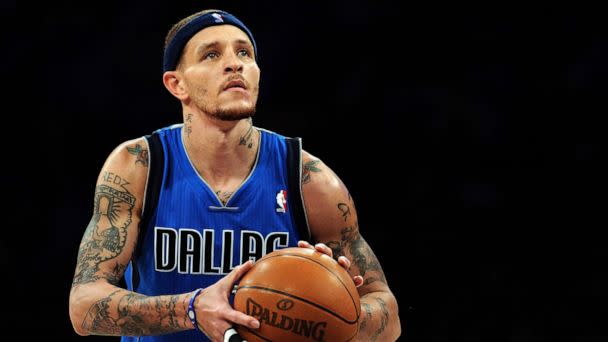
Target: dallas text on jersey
[{"x": 190, "y": 252}]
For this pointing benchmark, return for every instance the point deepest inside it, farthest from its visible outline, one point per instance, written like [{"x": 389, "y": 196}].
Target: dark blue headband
[{"x": 174, "y": 48}]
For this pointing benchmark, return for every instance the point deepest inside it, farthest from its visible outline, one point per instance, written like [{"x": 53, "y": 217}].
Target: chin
[{"x": 233, "y": 113}]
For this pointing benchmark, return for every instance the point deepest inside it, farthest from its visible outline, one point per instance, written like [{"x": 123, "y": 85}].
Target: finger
[
  {"x": 344, "y": 262},
  {"x": 304, "y": 244},
  {"x": 358, "y": 280},
  {"x": 242, "y": 319},
  {"x": 321, "y": 247},
  {"x": 237, "y": 273}
]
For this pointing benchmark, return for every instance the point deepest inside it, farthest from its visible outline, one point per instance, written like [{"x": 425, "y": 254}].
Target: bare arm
[
  {"x": 97, "y": 304},
  {"x": 333, "y": 221}
]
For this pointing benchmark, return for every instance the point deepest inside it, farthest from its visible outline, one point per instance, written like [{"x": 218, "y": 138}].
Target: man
[{"x": 222, "y": 196}]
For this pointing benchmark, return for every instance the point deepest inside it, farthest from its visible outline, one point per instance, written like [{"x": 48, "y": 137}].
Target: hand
[
  {"x": 342, "y": 260},
  {"x": 213, "y": 310}
]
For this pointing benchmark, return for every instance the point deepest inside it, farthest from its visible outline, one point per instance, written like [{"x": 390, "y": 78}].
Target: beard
[{"x": 231, "y": 112}]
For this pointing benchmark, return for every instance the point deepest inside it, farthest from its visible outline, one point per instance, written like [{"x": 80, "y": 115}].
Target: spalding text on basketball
[{"x": 310, "y": 329}]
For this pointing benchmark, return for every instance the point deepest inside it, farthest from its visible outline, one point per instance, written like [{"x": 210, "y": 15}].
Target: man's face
[{"x": 220, "y": 72}]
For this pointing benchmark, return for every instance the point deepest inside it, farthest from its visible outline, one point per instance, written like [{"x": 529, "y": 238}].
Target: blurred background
[{"x": 468, "y": 137}]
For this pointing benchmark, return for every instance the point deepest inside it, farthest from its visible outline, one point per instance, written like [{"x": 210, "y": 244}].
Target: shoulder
[
  {"x": 130, "y": 156},
  {"x": 126, "y": 168},
  {"x": 325, "y": 198},
  {"x": 317, "y": 175}
]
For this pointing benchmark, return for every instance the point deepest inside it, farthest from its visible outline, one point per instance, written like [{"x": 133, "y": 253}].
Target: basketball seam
[
  {"x": 298, "y": 298},
  {"x": 320, "y": 264}
]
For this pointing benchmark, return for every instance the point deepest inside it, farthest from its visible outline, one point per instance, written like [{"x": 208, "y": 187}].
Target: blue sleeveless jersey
[{"x": 193, "y": 240}]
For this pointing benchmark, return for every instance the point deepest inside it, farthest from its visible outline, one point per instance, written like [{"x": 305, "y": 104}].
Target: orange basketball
[{"x": 298, "y": 294}]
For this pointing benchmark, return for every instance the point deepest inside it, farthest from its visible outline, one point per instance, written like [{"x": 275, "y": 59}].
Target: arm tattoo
[
  {"x": 367, "y": 317},
  {"x": 135, "y": 315},
  {"x": 362, "y": 256},
  {"x": 96, "y": 318},
  {"x": 336, "y": 248},
  {"x": 116, "y": 274},
  {"x": 383, "y": 319},
  {"x": 308, "y": 167},
  {"x": 106, "y": 235},
  {"x": 345, "y": 209},
  {"x": 141, "y": 153}
]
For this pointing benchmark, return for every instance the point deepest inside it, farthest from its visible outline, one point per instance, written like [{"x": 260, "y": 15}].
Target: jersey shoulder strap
[
  {"x": 156, "y": 166},
  {"x": 294, "y": 174}
]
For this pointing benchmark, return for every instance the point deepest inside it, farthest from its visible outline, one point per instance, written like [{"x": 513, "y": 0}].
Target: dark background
[{"x": 468, "y": 138}]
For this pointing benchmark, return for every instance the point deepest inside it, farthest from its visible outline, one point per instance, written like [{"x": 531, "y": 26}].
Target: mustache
[{"x": 234, "y": 78}]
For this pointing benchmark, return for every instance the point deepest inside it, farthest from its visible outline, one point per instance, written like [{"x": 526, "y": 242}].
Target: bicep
[
  {"x": 334, "y": 221},
  {"x": 110, "y": 237}
]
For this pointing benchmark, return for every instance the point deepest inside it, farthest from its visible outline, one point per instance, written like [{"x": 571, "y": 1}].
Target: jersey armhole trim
[
  {"x": 143, "y": 205},
  {"x": 294, "y": 162}
]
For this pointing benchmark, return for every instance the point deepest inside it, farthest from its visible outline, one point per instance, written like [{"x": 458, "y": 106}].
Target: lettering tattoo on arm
[
  {"x": 105, "y": 236},
  {"x": 307, "y": 168},
  {"x": 141, "y": 153},
  {"x": 111, "y": 177}
]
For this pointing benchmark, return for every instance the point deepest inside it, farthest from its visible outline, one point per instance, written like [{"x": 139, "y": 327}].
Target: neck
[{"x": 223, "y": 152}]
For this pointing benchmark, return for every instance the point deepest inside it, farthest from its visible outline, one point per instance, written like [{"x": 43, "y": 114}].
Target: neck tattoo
[{"x": 247, "y": 139}]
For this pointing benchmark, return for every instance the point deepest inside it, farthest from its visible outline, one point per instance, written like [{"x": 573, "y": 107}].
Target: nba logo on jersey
[{"x": 281, "y": 201}]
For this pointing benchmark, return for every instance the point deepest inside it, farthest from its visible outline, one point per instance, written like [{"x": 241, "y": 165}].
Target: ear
[{"x": 175, "y": 85}]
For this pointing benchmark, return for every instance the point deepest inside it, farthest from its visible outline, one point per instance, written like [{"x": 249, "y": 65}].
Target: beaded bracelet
[{"x": 191, "y": 312}]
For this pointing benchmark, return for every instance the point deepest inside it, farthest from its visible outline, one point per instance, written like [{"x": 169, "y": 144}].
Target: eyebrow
[
  {"x": 243, "y": 42},
  {"x": 205, "y": 46}
]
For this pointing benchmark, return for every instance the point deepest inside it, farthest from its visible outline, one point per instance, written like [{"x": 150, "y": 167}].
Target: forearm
[
  {"x": 379, "y": 319},
  {"x": 104, "y": 309}
]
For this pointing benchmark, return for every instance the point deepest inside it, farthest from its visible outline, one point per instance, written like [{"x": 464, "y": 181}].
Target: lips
[{"x": 235, "y": 84}]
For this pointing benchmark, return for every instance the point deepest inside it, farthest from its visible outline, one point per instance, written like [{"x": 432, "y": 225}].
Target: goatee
[{"x": 233, "y": 114}]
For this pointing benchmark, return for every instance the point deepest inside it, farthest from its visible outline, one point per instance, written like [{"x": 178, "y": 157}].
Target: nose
[{"x": 233, "y": 64}]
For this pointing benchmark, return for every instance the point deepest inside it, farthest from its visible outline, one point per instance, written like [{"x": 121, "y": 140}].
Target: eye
[
  {"x": 211, "y": 54},
  {"x": 244, "y": 53}
]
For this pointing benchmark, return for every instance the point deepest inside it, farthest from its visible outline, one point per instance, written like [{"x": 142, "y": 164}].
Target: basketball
[{"x": 298, "y": 294}]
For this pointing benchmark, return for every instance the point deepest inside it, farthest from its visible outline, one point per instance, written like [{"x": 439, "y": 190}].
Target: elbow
[
  {"x": 396, "y": 322},
  {"x": 77, "y": 312},
  {"x": 397, "y": 329}
]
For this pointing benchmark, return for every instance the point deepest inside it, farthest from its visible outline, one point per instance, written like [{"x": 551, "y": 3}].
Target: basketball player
[{"x": 191, "y": 206}]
